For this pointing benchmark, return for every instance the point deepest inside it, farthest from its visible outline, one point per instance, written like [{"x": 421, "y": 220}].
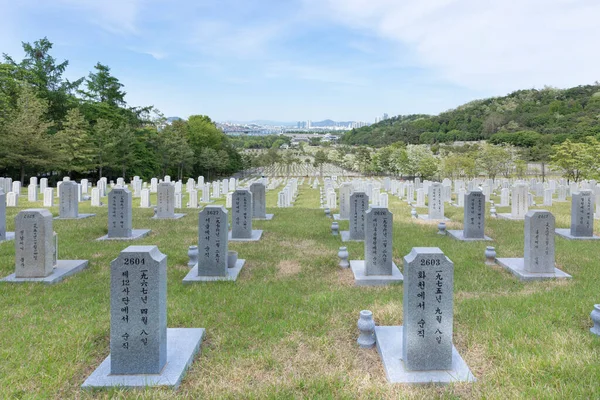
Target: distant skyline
[{"x": 297, "y": 60}]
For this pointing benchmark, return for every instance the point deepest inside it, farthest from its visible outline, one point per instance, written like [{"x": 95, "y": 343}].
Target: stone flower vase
[
  {"x": 232, "y": 257},
  {"x": 343, "y": 255},
  {"x": 366, "y": 327},
  {"x": 490, "y": 255},
  {"x": 335, "y": 228},
  {"x": 193, "y": 256},
  {"x": 596, "y": 318}
]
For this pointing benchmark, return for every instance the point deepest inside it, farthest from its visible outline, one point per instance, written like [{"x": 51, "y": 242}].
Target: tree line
[
  {"x": 523, "y": 118},
  {"x": 50, "y": 126}
]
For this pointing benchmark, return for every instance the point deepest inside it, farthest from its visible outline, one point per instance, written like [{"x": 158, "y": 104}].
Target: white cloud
[
  {"x": 498, "y": 45},
  {"x": 115, "y": 16},
  {"x": 319, "y": 73}
]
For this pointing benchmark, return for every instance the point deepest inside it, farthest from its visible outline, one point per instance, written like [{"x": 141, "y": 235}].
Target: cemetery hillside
[{"x": 450, "y": 256}]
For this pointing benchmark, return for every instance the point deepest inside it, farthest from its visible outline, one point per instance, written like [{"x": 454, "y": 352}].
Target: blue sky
[{"x": 291, "y": 60}]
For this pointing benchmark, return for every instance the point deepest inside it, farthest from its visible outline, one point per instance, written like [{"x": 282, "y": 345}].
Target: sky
[{"x": 297, "y": 60}]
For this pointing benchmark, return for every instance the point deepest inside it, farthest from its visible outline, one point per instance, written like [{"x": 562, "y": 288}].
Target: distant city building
[{"x": 385, "y": 116}]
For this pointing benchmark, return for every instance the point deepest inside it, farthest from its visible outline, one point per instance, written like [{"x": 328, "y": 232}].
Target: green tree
[
  {"x": 492, "y": 160},
  {"x": 102, "y": 144},
  {"x": 41, "y": 71},
  {"x": 571, "y": 158},
  {"x": 26, "y": 142},
  {"x": 73, "y": 143},
  {"x": 320, "y": 159}
]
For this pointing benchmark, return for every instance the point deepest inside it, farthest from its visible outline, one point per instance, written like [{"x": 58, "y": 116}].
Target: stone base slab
[
  {"x": 510, "y": 217},
  {"x": 256, "y": 235},
  {"x": 9, "y": 236},
  {"x": 182, "y": 345},
  {"x": 516, "y": 267},
  {"x": 135, "y": 234},
  {"x": 566, "y": 233},
  {"x": 346, "y": 237},
  {"x": 362, "y": 279},
  {"x": 177, "y": 216},
  {"x": 80, "y": 216},
  {"x": 389, "y": 347},
  {"x": 425, "y": 217},
  {"x": 267, "y": 217},
  {"x": 63, "y": 269},
  {"x": 232, "y": 274},
  {"x": 338, "y": 217},
  {"x": 460, "y": 235}
]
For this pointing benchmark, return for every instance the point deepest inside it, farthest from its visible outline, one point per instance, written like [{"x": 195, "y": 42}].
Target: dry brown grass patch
[{"x": 288, "y": 268}]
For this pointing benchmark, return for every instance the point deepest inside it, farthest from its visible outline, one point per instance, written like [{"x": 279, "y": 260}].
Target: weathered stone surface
[
  {"x": 359, "y": 203},
  {"x": 345, "y": 193},
  {"x": 34, "y": 247},
  {"x": 138, "y": 311},
  {"x": 165, "y": 207},
  {"x": 582, "y": 214},
  {"x": 212, "y": 241},
  {"x": 474, "y": 217},
  {"x": 378, "y": 241},
  {"x": 119, "y": 213},
  {"x": 428, "y": 310},
  {"x": 259, "y": 205},
  {"x": 436, "y": 201},
  {"x": 241, "y": 214},
  {"x": 69, "y": 203},
  {"x": 539, "y": 242}
]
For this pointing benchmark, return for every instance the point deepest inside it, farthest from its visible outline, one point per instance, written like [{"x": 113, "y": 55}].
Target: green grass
[{"x": 287, "y": 327}]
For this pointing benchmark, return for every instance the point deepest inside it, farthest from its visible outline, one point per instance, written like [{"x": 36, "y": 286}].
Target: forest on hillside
[
  {"x": 523, "y": 118},
  {"x": 50, "y": 126}
]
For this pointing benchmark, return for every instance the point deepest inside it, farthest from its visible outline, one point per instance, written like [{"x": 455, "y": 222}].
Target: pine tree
[{"x": 73, "y": 143}]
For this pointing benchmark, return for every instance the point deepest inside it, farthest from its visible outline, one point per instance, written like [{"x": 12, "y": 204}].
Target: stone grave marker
[
  {"x": 35, "y": 250},
  {"x": 259, "y": 204},
  {"x": 378, "y": 268},
  {"x": 359, "y": 203},
  {"x": 213, "y": 248},
  {"x": 69, "y": 201},
  {"x": 165, "y": 208},
  {"x": 519, "y": 203},
  {"x": 421, "y": 351},
  {"x": 538, "y": 262},
  {"x": 120, "y": 216},
  {"x": 143, "y": 352},
  {"x": 241, "y": 217},
  {"x": 4, "y": 235},
  {"x": 582, "y": 217},
  {"x": 474, "y": 218}
]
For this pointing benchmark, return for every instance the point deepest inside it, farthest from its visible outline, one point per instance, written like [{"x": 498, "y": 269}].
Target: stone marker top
[{"x": 416, "y": 251}]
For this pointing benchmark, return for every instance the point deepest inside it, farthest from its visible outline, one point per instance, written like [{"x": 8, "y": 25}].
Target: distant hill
[
  {"x": 171, "y": 119},
  {"x": 522, "y": 118}
]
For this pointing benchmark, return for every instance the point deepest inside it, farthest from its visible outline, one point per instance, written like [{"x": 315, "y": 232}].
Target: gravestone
[
  {"x": 378, "y": 268},
  {"x": 138, "y": 311},
  {"x": 582, "y": 217},
  {"x": 548, "y": 197},
  {"x": 474, "y": 218},
  {"x": 165, "y": 208},
  {"x": 35, "y": 250},
  {"x": 48, "y": 197},
  {"x": 538, "y": 262},
  {"x": 193, "y": 198},
  {"x": 421, "y": 351},
  {"x": 213, "y": 248},
  {"x": 428, "y": 310},
  {"x": 519, "y": 203},
  {"x": 96, "y": 197},
  {"x": 12, "y": 199},
  {"x": 69, "y": 201},
  {"x": 259, "y": 204},
  {"x": 435, "y": 202},
  {"x": 143, "y": 352},
  {"x": 120, "y": 216},
  {"x": 4, "y": 235},
  {"x": 32, "y": 193},
  {"x": 359, "y": 203},
  {"x": 504, "y": 197},
  {"x": 145, "y": 198},
  {"x": 241, "y": 217}
]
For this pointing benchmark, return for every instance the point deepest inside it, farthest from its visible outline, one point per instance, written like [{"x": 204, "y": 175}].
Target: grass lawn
[{"x": 287, "y": 327}]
